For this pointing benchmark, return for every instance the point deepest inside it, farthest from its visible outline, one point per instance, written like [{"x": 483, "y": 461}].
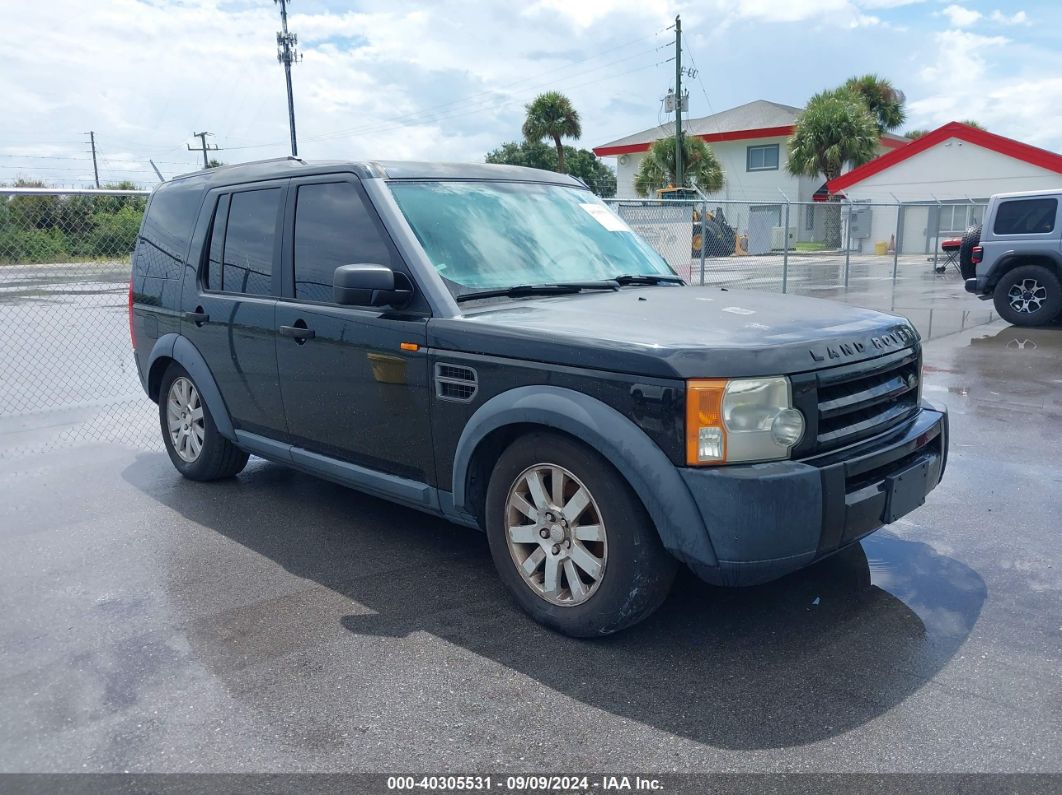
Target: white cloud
[
  {"x": 1017, "y": 18},
  {"x": 971, "y": 78},
  {"x": 404, "y": 79},
  {"x": 960, "y": 16}
]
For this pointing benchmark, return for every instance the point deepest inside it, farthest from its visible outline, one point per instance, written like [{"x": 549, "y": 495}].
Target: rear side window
[
  {"x": 214, "y": 271},
  {"x": 249, "y": 242},
  {"x": 333, "y": 226},
  {"x": 1025, "y": 217},
  {"x": 171, "y": 214}
]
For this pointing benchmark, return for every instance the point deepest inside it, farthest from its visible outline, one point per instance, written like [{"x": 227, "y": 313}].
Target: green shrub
[
  {"x": 32, "y": 245},
  {"x": 114, "y": 234}
]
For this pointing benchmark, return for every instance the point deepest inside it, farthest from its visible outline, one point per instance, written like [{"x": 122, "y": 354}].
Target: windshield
[{"x": 490, "y": 235}]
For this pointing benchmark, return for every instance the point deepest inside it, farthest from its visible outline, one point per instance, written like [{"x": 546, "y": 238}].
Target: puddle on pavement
[{"x": 937, "y": 323}]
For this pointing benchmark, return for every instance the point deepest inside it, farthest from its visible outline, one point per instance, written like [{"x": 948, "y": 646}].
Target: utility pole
[
  {"x": 205, "y": 147},
  {"x": 95, "y": 168},
  {"x": 678, "y": 101},
  {"x": 287, "y": 55}
]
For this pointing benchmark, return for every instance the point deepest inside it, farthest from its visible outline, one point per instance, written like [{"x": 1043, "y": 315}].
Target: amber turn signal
[{"x": 705, "y": 432}]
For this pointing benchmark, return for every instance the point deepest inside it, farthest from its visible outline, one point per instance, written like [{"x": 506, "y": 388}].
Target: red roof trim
[
  {"x": 736, "y": 135},
  {"x": 996, "y": 143}
]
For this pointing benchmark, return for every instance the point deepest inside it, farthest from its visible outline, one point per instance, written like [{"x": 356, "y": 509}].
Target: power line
[
  {"x": 480, "y": 101},
  {"x": 474, "y": 105}
]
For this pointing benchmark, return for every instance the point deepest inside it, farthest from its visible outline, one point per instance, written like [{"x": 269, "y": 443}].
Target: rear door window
[
  {"x": 1025, "y": 217},
  {"x": 212, "y": 271},
  {"x": 250, "y": 242},
  {"x": 333, "y": 226}
]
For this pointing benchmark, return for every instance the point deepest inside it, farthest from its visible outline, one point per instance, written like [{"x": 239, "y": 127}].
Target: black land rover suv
[{"x": 493, "y": 345}]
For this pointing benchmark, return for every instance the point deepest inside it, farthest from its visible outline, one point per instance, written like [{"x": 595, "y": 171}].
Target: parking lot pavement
[{"x": 276, "y": 622}]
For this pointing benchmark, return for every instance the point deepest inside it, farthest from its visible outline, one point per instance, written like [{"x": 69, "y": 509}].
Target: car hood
[{"x": 684, "y": 332}]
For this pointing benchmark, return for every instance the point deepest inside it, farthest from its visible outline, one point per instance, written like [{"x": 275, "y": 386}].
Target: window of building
[
  {"x": 959, "y": 217},
  {"x": 248, "y": 255},
  {"x": 333, "y": 226},
  {"x": 762, "y": 158},
  {"x": 1026, "y": 217}
]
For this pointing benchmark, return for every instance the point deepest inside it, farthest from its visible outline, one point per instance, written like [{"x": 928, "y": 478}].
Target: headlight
[{"x": 740, "y": 420}]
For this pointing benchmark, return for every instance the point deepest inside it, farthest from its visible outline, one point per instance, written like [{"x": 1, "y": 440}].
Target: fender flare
[
  {"x": 652, "y": 475},
  {"x": 1011, "y": 259},
  {"x": 181, "y": 350}
]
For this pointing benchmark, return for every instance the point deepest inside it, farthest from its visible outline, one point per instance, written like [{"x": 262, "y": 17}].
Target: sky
[{"x": 390, "y": 79}]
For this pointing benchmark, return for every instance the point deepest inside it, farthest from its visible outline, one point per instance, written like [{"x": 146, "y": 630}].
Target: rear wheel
[
  {"x": 195, "y": 446},
  {"x": 1029, "y": 295},
  {"x": 570, "y": 539}
]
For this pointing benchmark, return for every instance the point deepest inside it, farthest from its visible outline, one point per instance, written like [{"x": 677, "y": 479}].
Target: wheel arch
[
  {"x": 1016, "y": 259},
  {"x": 653, "y": 477},
  {"x": 176, "y": 348}
]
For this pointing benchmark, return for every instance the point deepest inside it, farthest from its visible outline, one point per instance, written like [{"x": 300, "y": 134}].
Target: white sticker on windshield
[{"x": 606, "y": 217}]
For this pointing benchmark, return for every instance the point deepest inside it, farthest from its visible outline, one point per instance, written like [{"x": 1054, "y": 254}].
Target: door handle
[
  {"x": 298, "y": 333},
  {"x": 199, "y": 317}
]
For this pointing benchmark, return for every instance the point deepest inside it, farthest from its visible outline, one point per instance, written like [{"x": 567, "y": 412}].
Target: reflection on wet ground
[
  {"x": 276, "y": 621},
  {"x": 783, "y": 664}
]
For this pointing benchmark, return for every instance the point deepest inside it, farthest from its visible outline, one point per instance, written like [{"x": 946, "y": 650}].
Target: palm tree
[
  {"x": 884, "y": 102},
  {"x": 971, "y": 123},
  {"x": 835, "y": 128},
  {"x": 657, "y": 170},
  {"x": 914, "y": 135},
  {"x": 551, "y": 115}
]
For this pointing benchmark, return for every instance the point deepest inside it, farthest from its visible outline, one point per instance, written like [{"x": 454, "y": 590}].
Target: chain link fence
[
  {"x": 801, "y": 247},
  {"x": 67, "y": 373}
]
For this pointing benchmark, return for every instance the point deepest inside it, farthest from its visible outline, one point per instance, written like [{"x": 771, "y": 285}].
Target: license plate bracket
[{"x": 906, "y": 490}]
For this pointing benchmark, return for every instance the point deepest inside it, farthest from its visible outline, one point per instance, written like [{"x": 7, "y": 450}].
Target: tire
[
  {"x": 713, "y": 240},
  {"x": 212, "y": 457},
  {"x": 633, "y": 570},
  {"x": 970, "y": 238},
  {"x": 1029, "y": 295}
]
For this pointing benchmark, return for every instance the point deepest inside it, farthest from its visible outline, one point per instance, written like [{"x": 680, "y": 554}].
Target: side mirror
[{"x": 370, "y": 285}]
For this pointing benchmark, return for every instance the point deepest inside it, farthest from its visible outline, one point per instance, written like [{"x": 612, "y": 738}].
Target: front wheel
[
  {"x": 195, "y": 446},
  {"x": 1029, "y": 295},
  {"x": 571, "y": 540}
]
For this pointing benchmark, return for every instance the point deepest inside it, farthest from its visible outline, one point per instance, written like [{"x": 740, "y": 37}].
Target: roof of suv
[
  {"x": 1027, "y": 194},
  {"x": 281, "y": 167}
]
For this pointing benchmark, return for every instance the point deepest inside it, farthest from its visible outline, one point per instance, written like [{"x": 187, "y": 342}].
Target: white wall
[
  {"x": 739, "y": 183},
  {"x": 951, "y": 170}
]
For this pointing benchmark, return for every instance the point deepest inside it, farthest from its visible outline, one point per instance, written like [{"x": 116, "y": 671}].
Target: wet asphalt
[{"x": 276, "y": 622}]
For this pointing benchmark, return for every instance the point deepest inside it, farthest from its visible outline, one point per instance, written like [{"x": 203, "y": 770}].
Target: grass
[{"x": 809, "y": 246}]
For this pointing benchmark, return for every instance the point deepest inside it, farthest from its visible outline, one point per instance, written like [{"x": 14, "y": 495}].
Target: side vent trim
[{"x": 456, "y": 383}]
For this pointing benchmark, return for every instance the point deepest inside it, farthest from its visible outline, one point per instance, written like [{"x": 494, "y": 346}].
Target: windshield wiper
[
  {"x": 520, "y": 290},
  {"x": 647, "y": 279}
]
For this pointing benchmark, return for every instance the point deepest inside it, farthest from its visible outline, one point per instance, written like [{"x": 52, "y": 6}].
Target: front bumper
[{"x": 767, "y": 520}]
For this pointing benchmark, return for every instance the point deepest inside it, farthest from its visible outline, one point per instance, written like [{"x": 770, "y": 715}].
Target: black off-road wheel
[
  {"x": 196, "y": 448},
  {"x": 970, "y": 238},
  {"x": 570, "y": 539},
  {"x": 1029, "y": 295}
]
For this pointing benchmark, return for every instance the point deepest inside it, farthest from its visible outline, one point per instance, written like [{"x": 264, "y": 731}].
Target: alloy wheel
[
  {"x": 184, "y": 419},
  {"x": 1027, "y": 296},
  {"x": 556, "y": 534}
]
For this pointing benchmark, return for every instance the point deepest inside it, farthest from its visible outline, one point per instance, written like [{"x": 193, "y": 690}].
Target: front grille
[{"x": 864, "y": 399}]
